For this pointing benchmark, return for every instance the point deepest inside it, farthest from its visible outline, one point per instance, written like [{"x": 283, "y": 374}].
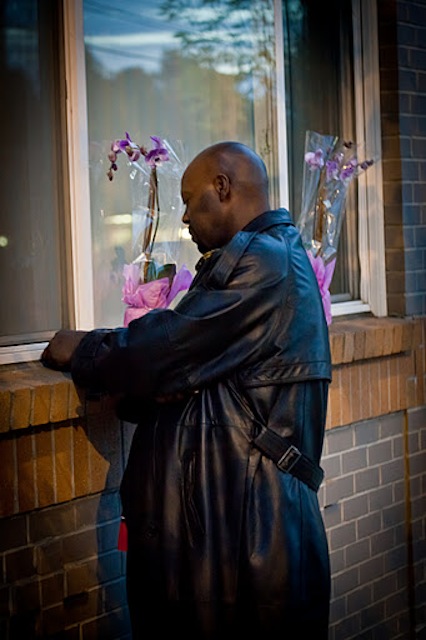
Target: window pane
[
  {"x": 196, "y": 72},
  {"x": 319, "y": 89},
  {"x": 30, "y": 259}
]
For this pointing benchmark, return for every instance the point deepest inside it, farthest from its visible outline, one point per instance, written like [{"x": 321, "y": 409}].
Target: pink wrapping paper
[
  {"x": 324, "y": 276},
  {"x": 157, "y": 294}
]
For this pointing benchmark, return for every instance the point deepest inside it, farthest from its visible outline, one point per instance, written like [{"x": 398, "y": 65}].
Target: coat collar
[
  {"x": 261, "y": 223},
  {"x": 269, "y": 219}
]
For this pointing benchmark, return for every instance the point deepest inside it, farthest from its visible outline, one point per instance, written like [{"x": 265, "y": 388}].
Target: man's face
[{"x": 204, "y": 212}]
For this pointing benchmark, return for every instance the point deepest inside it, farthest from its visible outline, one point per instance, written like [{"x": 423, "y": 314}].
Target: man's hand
[{"x": 59, "y": 351}]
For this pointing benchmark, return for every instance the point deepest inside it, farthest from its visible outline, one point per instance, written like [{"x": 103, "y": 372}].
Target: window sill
[
  {"x": 31, "y": 395},
  {"x": 363, "y": 338}
]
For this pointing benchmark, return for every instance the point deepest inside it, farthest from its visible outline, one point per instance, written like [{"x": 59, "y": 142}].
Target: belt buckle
[{"x": 289, "y": 459}]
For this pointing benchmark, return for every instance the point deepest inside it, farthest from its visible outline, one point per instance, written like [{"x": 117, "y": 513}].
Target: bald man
[{"x": 229, "y": 391}]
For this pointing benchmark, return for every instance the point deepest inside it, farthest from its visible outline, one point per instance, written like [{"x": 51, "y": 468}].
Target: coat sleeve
[{"x": 214, "y": 330}]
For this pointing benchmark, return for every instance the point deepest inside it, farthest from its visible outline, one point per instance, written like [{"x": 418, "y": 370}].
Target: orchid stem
[{"x": 152, "y": 220}]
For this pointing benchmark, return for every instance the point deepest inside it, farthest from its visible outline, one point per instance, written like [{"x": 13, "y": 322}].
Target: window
[
  {"x": 33, "y": 262},
  {"x": 320, "y": 97},
  {"x": 191, "y": 75},
  {"x": 194, "y": 73}
]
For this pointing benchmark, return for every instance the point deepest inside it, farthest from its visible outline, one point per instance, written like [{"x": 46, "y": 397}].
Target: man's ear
[{"x": 223, "y": 186}]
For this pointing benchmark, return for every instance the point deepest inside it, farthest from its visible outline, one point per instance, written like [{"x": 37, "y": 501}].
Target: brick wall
[
  {"x": 373, "y": 496},
  {"x": 61, "y": 575},
  {"x": 377, "y": 369},
  {"x": 374, "y": 509},
  {"x": 402, "y": 38}
]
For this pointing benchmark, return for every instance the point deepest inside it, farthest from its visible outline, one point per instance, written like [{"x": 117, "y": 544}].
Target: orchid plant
[
  {"x": 154, "y": 158},
  {"x": 148, "y": 284},
  {"x": 330, "y": 165}
]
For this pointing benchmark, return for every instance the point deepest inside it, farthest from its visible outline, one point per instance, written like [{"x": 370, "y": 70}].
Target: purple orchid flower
[
  {"x": 154, "y": 158},
  {"x": 348, "y": 170},
  {"x": 315, "y": 159},
  {"x": 332, "y": 167},
  {"x": 365, "y": 164},
  {"x": 158, "y": 154},
  {"x": 125, "y": 146}
]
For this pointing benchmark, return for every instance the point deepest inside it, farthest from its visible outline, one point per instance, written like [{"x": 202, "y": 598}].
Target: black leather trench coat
[{"x": 220, "y": 538}]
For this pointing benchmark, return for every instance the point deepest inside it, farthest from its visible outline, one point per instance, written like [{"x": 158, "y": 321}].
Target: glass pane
[
  {"x": 30, "y": 261},
  {"x": 193, "y": 73},
  {"x": 319, "y": 89}
]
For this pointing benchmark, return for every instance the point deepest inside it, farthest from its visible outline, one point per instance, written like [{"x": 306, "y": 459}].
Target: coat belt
[{"x": 288, "y": 458}]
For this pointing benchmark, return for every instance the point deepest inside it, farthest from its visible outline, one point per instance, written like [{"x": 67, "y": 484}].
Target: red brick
[
  {"x": 349, "y": 346},
  {"x": 387, "y": 339},
  {"x": 59, "y": 402},
  {"x": 407, "y": 336},
  {"x": 75, "y": 408},
  {"x": 337, "y": 340},
  {"x": 411, "y": 392},
  {"x": 394, "y": 389},
  {"x": 374, "y": 338},
  {"x": 45, "y": 468},
  {"x": 384, "y": 386},
  {"x": 40, "y": 413},
  {"x": 355, "y": 392},
  {"x": 52, "y": 590},
  {"x": 334, "y": 398},
  {"x": 7, "y": 477},
  {"x": 53, "y": 624},
  {"x": 375, "y": 388},
  {"x": 5, "y": 406},
  {"x": 26, "y": 472},
  {"x": 20, "y": 564},
  {"x": 21, "y": 408},
  {"x": 63, "y": 464},
  {"x": 27, "y": 597},
  {"x": 79, "y": 545},
  {"x": 82, "y": 481},
  {"x": 13, "y": 532},
  {"x": 365, "y": 390},
  {"x": 49, "y": 556},
  {"x": 359, "y": 344},
  {"x": 82, "y": 576},
  {"x": 397, "y": 338},
  {"x": 345, "y": 395}
]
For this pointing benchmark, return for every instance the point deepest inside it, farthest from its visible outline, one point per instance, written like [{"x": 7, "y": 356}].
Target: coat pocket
[{"x": 192, "y": 520}]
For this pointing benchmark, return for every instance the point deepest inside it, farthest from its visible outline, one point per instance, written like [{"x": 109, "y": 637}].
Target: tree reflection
[{"x": 231, "y": 36}]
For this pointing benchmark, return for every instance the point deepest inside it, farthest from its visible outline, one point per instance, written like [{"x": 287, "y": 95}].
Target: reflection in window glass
[
  {"x": 193, "y": 73},
  {"x": 30, "y": 178},
  {"x": 319, "y": 89}
]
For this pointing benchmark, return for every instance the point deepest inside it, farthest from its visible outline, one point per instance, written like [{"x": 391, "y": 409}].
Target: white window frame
[
  {"x": 370, "y": 189},
  {"x": 370, "y": 183},
  {"x": 371, "y": 240},
  {"x": 78, "y": 159}
]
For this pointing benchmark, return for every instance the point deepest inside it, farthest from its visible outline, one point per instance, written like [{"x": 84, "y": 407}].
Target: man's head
[{"x": 223, "y": 189}]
